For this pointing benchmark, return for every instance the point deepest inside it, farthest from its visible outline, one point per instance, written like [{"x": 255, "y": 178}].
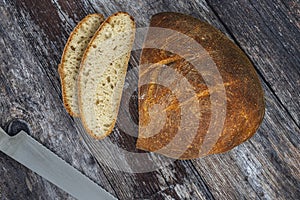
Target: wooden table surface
[{"x": 33, "y": 35}]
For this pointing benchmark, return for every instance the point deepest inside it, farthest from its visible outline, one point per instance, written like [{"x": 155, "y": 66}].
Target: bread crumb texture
[
  {"x": 102, "y": 74},
  {"x": 71, "y": 59}
]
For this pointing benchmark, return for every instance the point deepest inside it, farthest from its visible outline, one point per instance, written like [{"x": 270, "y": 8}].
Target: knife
[{"x": 33, "y": 155}]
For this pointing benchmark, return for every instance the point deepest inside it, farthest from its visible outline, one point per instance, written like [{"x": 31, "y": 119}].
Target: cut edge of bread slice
[
  {"x": 71, "y": 58},
  {"x": 102, "y": 74}
]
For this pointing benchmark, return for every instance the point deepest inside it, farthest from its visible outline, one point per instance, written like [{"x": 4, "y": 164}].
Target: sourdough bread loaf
[
  {"x": 182, "y": 104},
  {"x": 102, "y": 74},
  {"x": 71, "y": 59}
]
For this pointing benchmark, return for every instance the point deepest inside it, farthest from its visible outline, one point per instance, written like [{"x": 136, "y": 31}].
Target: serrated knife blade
[{"x": 33, "y": 155}]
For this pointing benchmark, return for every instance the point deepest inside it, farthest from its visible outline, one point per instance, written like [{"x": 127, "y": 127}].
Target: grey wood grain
[
  {"x": 33, "y": 34},
  {"x": 30, "y": 90},
  {"x": 270, "y": 159},
  {"x": 269, "y": 32}
]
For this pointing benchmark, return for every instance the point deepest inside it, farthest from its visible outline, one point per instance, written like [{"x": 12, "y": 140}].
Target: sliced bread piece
[
  {"x": 102, "y": 74},
  {"x": 71, "y": 58}
]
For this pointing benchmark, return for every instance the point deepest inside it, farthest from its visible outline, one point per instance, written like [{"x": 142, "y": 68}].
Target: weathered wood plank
[
  {"x": 233, "y": 168},
  {"x": 276, "y": 144},
  {"x": 269, "y": 32},
  {"x": 33, "y": 35},
  {"x": 30, "y": 91},
  {"x": 268, "y": 160}
]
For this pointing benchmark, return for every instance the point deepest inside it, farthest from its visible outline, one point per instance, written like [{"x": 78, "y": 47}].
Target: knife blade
[{"x": 33, "y": 155}]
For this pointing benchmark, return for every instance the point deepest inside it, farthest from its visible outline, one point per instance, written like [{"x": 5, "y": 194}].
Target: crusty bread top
[
  {"x": 243, "y": 95},
  {"x": 102, "y": 74},
  {"x": 71, "y": 58}
]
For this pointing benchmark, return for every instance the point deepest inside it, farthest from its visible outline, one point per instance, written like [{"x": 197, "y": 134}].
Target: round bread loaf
[{"x": 195, "y": 100}]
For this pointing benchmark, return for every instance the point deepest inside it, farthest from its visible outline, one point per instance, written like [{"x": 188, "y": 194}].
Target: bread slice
[
  {"x": 71, "y": 58},
  {"x": 102, "y": 74}
]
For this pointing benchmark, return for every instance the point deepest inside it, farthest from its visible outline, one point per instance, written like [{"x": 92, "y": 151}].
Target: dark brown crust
[
  {"x": 244, "y": 94},
  {"x": 89, "y": 131},
  {"x": 61, "y": 65}
]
